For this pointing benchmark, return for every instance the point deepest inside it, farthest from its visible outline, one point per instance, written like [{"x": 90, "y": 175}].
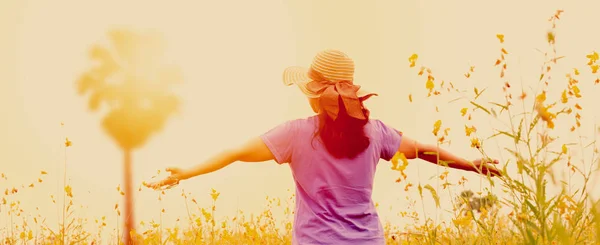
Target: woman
[{"x": 332, "y": 155}]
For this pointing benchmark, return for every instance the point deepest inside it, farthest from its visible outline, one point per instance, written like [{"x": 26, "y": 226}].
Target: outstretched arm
[
  {"x": 254, "y": 150},
  {"x": 413, "y": 149}
]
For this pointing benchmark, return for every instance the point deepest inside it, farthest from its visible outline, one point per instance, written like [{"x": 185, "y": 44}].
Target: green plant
[{"x": 537, "y": 217}]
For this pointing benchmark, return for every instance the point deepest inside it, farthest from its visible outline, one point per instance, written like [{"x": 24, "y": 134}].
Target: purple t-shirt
[{"x": 333, "y": 196}]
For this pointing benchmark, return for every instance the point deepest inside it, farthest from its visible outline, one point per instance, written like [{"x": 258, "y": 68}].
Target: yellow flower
[
  {"x": 522, "y": 217},
  {"x": 500, "y": 37},
  {"x": 544, "y": 114},
  {"x": 399, "y": 156},
  {"x": 564, "y": 99},
  {"x": 429, "y": 84},
  {"x": 475, "y": 143},
  {"x": 470, "y": 130},
  {"x": 436, "y": 127},
  {"x": 463, "y": 111},
  {"x": 413, "y": 59},
  {"x": 214, "y": 194},
  {"x": 463, "y": 221},
  {"x": 69, "y": 191}
]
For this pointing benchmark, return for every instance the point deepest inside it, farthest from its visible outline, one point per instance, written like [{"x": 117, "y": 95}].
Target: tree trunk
[{"x": 129, "y": 221}]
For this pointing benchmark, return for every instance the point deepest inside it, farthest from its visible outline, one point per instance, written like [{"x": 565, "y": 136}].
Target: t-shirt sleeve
[
  {"x": 280, "y": 141},
  {"x": 390, "y": 141}
]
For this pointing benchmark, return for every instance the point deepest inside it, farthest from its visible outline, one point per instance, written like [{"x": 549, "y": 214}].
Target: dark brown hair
[{"x": 344, "y": 137}]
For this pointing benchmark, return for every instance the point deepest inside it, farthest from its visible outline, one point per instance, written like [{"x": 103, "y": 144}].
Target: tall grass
[
  {"x": 525, "y": 213},
  {"x": 535, "y": 216}
]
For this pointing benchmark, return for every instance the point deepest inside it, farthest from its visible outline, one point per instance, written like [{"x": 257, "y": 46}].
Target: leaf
[
  {"x": 564, "y": 149},
  {"x": 504, "y": 107},
  {"x": 434, "y": 194},
  {"x": 456, "y": 99},
  {"x": 557, "y": 58},
  {"x": 519, "y": 131},
  {"x": 479, "y": 94},
  {"x": 596, "y": 215},
  {"x": 514, "y": 137},
  {"x": 410, "y": 97},
  {"x": 520, "y": 166},
  {"x": 533, "y": 208},
  {"x": 481, "y": 107}
]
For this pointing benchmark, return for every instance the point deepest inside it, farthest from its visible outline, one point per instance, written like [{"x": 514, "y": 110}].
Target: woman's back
[{"x": 333, "y": 196}]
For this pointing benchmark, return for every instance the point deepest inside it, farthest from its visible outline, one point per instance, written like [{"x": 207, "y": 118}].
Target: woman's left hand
[
  {"x": 487, "y": 166},
  {"x": 170, "y": 181}
]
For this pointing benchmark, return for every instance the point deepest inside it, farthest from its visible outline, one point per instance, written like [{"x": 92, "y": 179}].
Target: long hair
[{"x": 344, "y": 137}]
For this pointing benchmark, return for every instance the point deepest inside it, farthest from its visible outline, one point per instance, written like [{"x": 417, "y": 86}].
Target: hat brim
[{"x": 299, "y": 76}]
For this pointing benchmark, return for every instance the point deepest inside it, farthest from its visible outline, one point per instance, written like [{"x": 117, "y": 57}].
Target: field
[{"x": 535, "y": 122}]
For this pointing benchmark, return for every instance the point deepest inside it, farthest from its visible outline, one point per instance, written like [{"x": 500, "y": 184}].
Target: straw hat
[
  {"x": 329, "y": 78},
  {"x": 333, "y": 65}
]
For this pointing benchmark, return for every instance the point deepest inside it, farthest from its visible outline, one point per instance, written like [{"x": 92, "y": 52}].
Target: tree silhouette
[{"x": 130, "y": 77}]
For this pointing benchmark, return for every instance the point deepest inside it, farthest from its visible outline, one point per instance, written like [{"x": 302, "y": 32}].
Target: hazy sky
[{"x": 232, "y": 54}]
